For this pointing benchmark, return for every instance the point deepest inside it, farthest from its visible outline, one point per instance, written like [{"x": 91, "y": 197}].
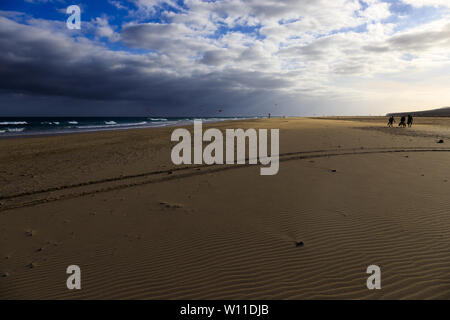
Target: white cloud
[
  {"x": 312, "y": 44},
  {"x": 104, "y": 30}
]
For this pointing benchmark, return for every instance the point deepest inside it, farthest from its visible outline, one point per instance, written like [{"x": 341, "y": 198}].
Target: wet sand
[{"x": 355, "y": 192}]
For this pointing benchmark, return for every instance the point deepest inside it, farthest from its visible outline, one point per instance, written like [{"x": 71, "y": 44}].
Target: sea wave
[
  {"x": 15, "y": 129},
  {"x": 51, "y": 123},
  {"x": 55, "y": 125},
  {"x": 12, "y": 123},
  {"x": 109, "y": 124}
]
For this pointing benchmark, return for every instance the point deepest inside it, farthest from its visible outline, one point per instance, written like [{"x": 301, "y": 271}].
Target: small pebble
[
  {"x": 30, "y": 233},
  {"x": 299, "y": 244},
  {"x": 5, "y": 275}
]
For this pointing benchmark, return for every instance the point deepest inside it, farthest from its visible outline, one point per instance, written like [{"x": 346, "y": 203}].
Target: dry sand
[{"x": 355, "y": 192}]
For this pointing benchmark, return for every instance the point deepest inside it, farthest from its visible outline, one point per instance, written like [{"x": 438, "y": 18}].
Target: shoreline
[{"x": 68, "y": 132}]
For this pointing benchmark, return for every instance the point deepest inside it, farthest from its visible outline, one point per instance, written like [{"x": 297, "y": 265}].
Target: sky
[{"x": 243, "y": 57}]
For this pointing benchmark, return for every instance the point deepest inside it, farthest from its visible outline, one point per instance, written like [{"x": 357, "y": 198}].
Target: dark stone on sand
[
  {"x": 5, "y": 275},
  {"x": 30, "y": 233},
  {"x": 32, "y": 265},
  {"x": 299, "y": 244},
  {"x": 440, "y": 141},
  {"x": 333, "y": 170},
  {"x": 170, "y": 172}
]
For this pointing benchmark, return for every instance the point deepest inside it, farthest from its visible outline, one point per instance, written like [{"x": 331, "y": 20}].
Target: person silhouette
[
  {"x": 402, "y": 122},
  {"x": 391, "y": 121},
  {"x": 410, "y": 120}
]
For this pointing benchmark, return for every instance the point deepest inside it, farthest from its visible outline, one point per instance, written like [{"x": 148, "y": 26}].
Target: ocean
[{"x": 29, "y": 126}]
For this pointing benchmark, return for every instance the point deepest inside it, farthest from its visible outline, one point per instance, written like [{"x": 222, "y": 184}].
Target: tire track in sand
[{"x": 117, "y": 183}]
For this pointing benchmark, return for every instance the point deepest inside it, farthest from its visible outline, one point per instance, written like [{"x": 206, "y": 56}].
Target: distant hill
[{"x": 442, "y": 112}]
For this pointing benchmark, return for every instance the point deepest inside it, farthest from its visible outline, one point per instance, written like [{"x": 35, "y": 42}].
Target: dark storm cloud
[{"x": 39, "y": 63}]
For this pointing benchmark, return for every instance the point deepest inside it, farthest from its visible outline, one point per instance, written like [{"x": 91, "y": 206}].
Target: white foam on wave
[
  {"x": 13, "y": 123},
  {"x": 113, "y": 125},
  {"x": 73, "y": 122},
  {"x": 15, "y": 129}
]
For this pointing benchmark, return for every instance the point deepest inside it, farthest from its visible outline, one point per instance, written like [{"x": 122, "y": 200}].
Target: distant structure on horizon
[{"x": 441, "y": 112}]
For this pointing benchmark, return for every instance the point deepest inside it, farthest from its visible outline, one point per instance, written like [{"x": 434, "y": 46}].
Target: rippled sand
[{"x": 353, "y": 191}]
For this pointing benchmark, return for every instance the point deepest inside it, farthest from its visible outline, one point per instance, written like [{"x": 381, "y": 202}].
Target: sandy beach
[{"x": 355, "y": 192}]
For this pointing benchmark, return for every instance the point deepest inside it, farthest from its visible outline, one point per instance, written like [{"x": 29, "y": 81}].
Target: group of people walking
[{"x": 402, "y": 121}]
